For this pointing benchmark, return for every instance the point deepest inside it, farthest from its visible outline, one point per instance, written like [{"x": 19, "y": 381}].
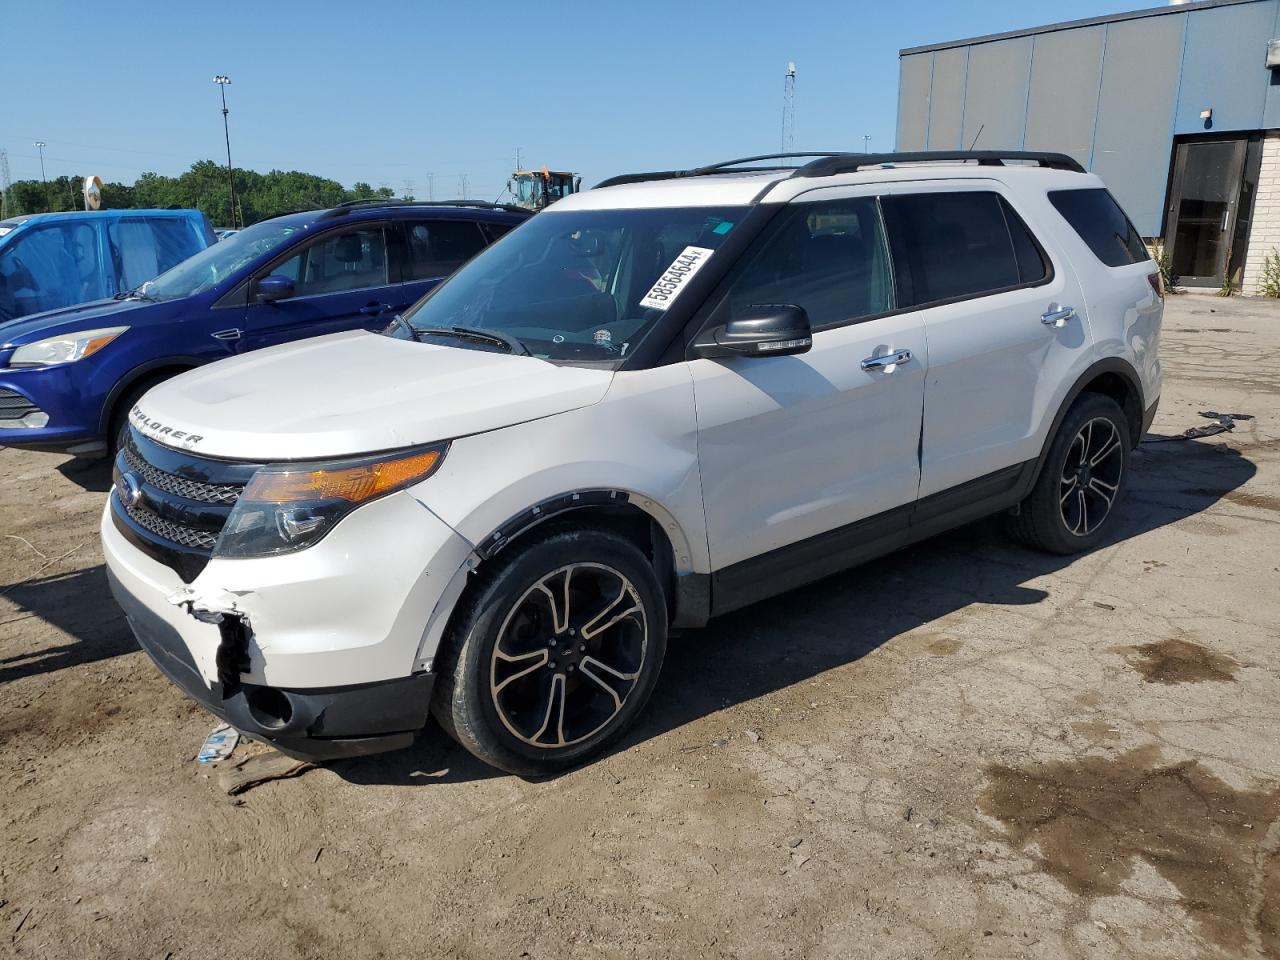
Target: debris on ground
[
  {"x": 1222, "y": 423},
  {"x": 219, "y": 744},
  {"x": 752, "y": 736},
  {"x": 262, "y": 768}
]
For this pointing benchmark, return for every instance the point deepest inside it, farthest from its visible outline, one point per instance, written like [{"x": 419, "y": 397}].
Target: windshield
[
  {"x": 581, "y": 285},
  {"x": 214, "y": 264}
]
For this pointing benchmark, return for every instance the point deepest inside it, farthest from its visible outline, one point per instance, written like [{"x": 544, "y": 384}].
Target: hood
[
  {"x": 83, "y": 316},
  {"x": 353, "y": 393}
]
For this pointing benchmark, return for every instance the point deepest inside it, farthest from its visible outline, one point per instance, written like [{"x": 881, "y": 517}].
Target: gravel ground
[{"x": 963, "y": 750}]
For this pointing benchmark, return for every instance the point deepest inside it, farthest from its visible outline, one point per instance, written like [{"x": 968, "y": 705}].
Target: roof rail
[
  {"x": 342, "y": 209},
  {"x": 853, "y": 162},
  {"x": 714, "y": 168},
  {"x": 828, "y": 163}
]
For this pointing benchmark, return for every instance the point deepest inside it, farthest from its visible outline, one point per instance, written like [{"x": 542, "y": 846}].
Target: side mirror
[
  {"x": 273, "y": 288},
  {"x": 761, "y": 330}
]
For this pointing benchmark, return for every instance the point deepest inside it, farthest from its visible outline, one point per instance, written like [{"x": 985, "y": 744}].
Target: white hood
[{"x": 353, "y": 393}]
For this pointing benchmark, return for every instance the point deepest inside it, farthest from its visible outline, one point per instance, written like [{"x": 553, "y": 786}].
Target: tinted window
[
  {"x": 143, "y": 249},
  {"x": 1095, "y": 215},
  {"x": 350, "y": 260},
  {"x": 496, "y": 230},
  {"x": 439, "y": 247},
  {"x": 1032, "y": 266},
  {"x": 950, "y": 245},
  {"x": 829, "y": 258},
  {"x": 50, "y": 267}
]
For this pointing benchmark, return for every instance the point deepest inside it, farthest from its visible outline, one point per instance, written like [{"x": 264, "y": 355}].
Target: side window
[
  {"x": 951, "y": 245},
  {"x": 439, "y": 247},
  {"x": 143, "y": 249},
  {"x": 1033, "y": 266},
  {"x": 1098, "y": 219},
  {"x": 828, "y": 257},
  {"x": 349, "y": 260},
  {"x": 51, "y": 267}
]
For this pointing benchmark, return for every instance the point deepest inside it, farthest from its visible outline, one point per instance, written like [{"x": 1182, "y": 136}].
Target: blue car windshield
[
  {"x": 575, "y": 285},
  {"x": 214, "y": 264}
]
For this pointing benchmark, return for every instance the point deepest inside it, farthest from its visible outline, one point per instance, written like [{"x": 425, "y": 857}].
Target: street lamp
[
  {"x": 222, "y": 82},
  {"x": 39, "y": 145},
  {"x": 866, "y": 143}
]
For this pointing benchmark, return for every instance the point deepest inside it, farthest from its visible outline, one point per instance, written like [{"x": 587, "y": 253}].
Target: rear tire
[
  {"x": 553, "y": 653},
  {"x": 1085, "y": 473}
]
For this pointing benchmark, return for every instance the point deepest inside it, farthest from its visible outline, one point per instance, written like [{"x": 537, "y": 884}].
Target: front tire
[
  {"x": 554, "y": 652},
  {"x": 1072, "y": 505}
]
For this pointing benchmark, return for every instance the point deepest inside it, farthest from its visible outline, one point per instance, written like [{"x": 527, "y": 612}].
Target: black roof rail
[
  {"x": 342, "y": 209},
  {"x": 829, "y": 163},
  {"x": 853, "y": 162},
  {"x": 714, "y": 168}
]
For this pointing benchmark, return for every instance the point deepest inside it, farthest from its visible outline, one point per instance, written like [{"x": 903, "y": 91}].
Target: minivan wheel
[
  {"x": 554, "y": 653},
  {"x": 1073, "y": 502}
]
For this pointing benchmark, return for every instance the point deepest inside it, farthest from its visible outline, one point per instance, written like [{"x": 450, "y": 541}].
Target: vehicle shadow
[
  {"x": 794, "y": 637},
  {"x": 89, "y": 475},
  {"x": 80, "y": 605}
]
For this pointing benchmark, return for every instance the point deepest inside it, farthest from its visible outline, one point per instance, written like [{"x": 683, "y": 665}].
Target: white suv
[{"x": 662, "y": 399}]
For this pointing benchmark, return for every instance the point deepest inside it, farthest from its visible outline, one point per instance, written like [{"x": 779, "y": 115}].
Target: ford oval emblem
[{"x": 130, "y": 489}]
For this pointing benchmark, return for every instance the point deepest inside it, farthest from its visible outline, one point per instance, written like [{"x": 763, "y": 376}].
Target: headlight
[
  {"x": 64, "y": 348},
  {"x": 289, "y": 506}
]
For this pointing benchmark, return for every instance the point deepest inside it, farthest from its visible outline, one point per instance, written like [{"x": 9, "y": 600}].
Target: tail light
[{"x": 1157, "y": 283}]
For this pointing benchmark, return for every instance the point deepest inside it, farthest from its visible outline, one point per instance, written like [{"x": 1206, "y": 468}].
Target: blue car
[
  {"x": 69, "y": 377},
  {"x": 53, "y": 260}
]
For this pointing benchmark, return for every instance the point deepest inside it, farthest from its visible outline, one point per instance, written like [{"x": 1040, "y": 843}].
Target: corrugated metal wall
[{"x": 1112, "y": 95}]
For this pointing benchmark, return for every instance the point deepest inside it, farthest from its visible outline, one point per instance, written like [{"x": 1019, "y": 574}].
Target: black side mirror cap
[
  {"x": 274, "y": 287},
  {"x": 760, "y": 330}
]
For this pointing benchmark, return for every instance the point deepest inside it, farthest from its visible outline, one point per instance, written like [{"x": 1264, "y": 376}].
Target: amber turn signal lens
[{"x": 354, "y": 483}]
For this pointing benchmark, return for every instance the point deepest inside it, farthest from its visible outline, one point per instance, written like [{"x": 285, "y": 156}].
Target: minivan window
[
  {"x": 948, "y": 246},
  {"x": 439, "y": 247},
  {"x": 828, "y": 257},
  {"x": 49, "y": 267},
  {"x": 142, "y": 248},
  {"x": 1094, "y": 214}
]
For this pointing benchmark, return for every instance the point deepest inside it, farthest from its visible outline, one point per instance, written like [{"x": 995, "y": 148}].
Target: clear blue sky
[{"x": 390, "y": 91}]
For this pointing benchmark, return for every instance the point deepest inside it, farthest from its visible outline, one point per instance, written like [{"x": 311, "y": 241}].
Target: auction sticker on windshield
[{"x": 673, "y": 279}]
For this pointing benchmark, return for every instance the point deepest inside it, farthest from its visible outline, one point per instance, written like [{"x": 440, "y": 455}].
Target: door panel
[
  {"x": 994, "y": 361},
  {"x": 1202, "y": 208},
  {"x": 791, "y": 447}
]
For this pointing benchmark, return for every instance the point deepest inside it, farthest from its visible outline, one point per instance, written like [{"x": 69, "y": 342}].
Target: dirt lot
[{"x": 965, "y": 750}]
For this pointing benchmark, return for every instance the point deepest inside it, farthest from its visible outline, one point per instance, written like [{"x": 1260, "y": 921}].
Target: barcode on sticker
[{"x": 674, "y": 278}]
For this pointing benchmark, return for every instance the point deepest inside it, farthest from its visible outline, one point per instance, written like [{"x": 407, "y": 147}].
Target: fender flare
[{"x": 1113, "y": 365}]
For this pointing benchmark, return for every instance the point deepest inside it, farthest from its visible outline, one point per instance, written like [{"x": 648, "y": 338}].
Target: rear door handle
[
  {"x": 373, "y": 309},
  {"x": 890, "y": 359},
  {"x": 1057, "y": 316}
]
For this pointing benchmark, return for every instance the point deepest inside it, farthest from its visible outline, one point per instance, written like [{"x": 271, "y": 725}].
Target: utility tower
[
  {"x": 789, "y": 109},
  {"x": 6, "y": 204}
]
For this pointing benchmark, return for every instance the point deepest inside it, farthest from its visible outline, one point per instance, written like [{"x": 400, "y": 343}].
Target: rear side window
[
  {"x": 439, "y": 247},
  {"x": 1095, "y": 215},
  {"x": 952, "y": 246}
]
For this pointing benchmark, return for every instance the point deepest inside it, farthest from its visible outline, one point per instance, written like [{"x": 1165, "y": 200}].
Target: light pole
[
  {"x": 866, "y": 143},
  {"x": 222, "y": 82},
  {"x": 39, "y": 145}
]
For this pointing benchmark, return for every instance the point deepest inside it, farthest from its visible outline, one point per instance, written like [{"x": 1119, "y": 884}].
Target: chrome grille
[
  {"x": 169, "y": 530},
  {"x": 197, "y": 490}
]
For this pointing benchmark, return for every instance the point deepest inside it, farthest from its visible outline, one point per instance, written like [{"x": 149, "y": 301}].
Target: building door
[{"x": 1205, "y": 199}]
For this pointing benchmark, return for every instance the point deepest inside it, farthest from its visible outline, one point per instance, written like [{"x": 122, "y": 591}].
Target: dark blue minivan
[{"x": 69, "y": 377}]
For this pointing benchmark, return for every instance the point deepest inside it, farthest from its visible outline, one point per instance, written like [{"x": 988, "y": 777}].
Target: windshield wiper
[
  {"x": 135, "y": 294},
  {"x": 513, "y": 344}
]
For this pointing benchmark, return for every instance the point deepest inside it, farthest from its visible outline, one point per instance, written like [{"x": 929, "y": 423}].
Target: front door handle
[
  {"x": 1057, "y": 315},
  {"x": 890, "y": 359}
]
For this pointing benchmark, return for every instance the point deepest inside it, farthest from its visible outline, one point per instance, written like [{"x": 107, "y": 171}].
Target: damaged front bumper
[{"x": 320, "y": 653}]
